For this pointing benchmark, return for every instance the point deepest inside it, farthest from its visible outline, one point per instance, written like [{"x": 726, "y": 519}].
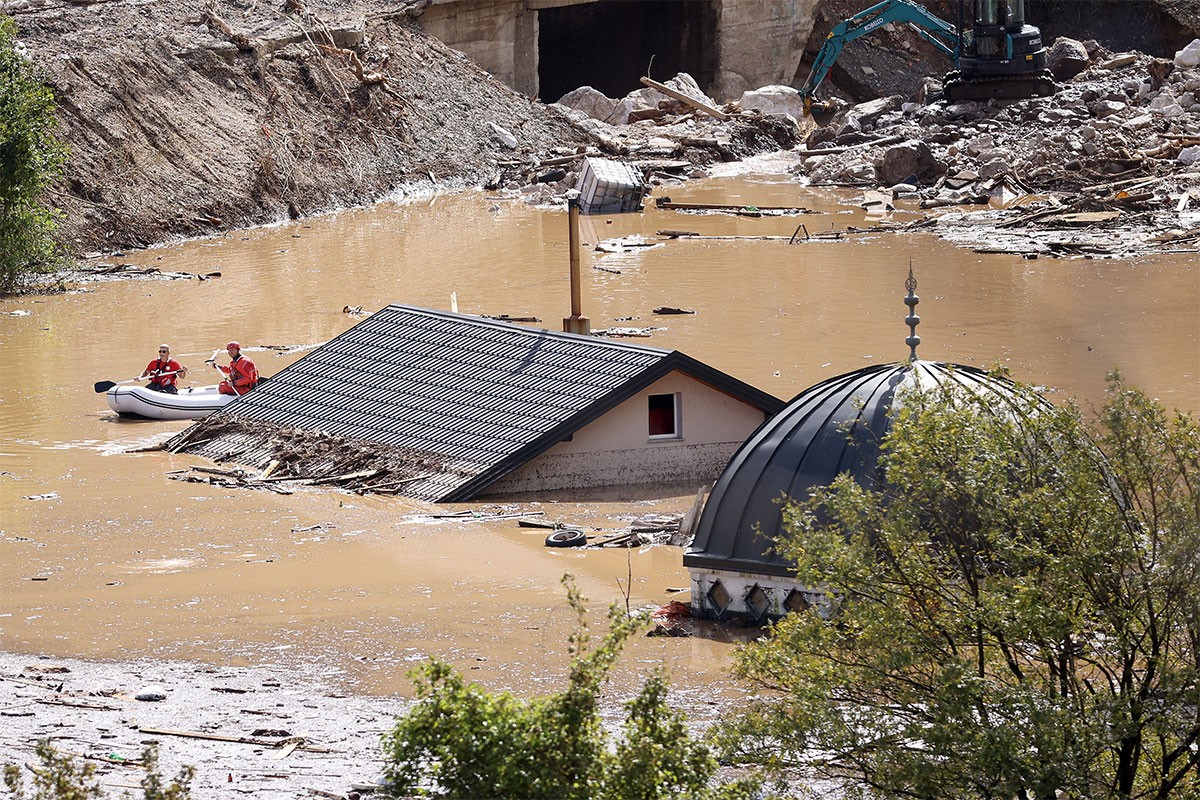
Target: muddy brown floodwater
[{"x": 103, "y": 556}]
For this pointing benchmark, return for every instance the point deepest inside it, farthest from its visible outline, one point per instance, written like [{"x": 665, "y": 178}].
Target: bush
[
  {"x": 1014, "y": 614},
  {"x": 461, "y": 741},
  {"x": 59, "y": 778},
  {"x": 31, "y": 159}
]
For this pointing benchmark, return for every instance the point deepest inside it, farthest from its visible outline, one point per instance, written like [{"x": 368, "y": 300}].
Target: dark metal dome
[{"x": 831, "y": 428}]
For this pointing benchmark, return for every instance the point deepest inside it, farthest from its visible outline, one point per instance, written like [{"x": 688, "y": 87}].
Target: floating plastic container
[{"x": 610, "y": 187}]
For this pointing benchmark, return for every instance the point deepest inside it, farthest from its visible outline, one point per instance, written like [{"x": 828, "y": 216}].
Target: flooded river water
[{"x": 103, "y": 556}]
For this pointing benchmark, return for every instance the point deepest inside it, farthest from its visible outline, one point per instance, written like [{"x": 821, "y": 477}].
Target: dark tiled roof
[
  {"x": 481, "y": 396},
  {"x": 831, "y": 428}
]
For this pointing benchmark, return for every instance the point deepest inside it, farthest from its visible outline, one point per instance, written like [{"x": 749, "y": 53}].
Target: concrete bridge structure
[{"x": 545, "y": 48}]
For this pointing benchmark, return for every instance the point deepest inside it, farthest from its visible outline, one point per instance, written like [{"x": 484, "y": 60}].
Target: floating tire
[{"x": 568, "y": 537}]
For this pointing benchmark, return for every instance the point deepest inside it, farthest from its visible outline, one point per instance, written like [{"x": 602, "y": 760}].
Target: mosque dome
[{"x": 831, "y": 428}]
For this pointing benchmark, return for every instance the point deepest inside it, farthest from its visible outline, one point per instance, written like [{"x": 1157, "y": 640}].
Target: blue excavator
[{"x": 995, "y": 53}]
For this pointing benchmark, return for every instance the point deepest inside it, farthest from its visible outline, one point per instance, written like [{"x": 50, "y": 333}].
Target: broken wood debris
[
  {"x": 743, "y": 210},
  {"x": 625, "y": 244},
  {"x": 1084, "y": 217},
  {"x": 260, "y": 741},
  {"x": 130, "y": 270},
  {"x": 699, "y": 105},
  {"x": 278, "y": 458},
  {"x": 77, "y": 704},
  {"x": 832, "y": 151},
  {"x": 525, "y": 522},
  {"x": 821, "y": 235},
  {"x": 627, "y": 333},
  {"x": 510, "y": 318},
  {"x": 476, "y": 516},
  {"x": 113, "y": 758},
  {"x": 646, "y": 530},
  {"x": 563, "y": 161}
]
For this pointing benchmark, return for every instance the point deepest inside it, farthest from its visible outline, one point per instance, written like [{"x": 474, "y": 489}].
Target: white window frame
[{"x": 677, "y": 416}]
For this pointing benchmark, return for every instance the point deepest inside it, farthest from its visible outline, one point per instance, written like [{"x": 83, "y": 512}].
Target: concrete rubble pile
[
  {"x": 668, "y": 137},
  {"x": 1116, "y": 148},
  {"x": 1113, "y": 158}
]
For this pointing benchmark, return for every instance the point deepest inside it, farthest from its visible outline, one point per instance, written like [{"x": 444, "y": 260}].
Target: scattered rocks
[
  {"x": 254, "y": 77},
  {"x": 1110, "y": 152},
  {"x": 1066, "y": 58}
]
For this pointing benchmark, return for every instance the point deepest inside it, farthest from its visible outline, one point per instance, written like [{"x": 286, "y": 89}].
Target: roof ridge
[{"x": 525, "y": 329}]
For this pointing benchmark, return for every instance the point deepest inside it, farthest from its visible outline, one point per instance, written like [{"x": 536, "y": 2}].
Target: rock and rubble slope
[
  {"x": 188, "y": 120},
  {"x": 1107, "y": 166},
  {"x": 185, "y": 121}
]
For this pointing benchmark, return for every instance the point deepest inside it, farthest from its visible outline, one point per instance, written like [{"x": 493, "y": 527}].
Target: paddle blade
[{"x": 104, "y": 386}]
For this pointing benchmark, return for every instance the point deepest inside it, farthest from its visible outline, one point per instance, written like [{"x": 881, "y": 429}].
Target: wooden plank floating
[
  {"x": 745, "y": 209},
  {"x": 254, "y": 740}
]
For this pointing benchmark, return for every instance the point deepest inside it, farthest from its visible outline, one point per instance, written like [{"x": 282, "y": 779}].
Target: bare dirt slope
[{"x": 183, "y": 121}]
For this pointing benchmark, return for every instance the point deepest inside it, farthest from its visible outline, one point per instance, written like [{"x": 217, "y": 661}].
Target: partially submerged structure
[
  {"x": 443, "y": 407},
  {"x": 831, "y": 428}
]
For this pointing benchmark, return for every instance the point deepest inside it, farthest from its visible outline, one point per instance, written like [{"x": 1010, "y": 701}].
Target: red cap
[{"x": 233, "y": 345}]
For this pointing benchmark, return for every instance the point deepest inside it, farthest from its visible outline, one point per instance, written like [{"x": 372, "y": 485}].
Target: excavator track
[{"x": 955, "y": 87}]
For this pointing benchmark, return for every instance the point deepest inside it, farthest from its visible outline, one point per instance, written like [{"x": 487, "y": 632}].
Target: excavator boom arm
[{"x": 941, "y": 34}]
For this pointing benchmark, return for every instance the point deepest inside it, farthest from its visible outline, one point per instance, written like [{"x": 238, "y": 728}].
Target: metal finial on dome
[{"x": 912, "y": 320}]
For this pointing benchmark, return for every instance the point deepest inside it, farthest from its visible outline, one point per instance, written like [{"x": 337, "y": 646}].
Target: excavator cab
[
  {"x": 995, "y": 53},
  {"x": 996, "y": 42},
  {"x": 999, "y": 55}
]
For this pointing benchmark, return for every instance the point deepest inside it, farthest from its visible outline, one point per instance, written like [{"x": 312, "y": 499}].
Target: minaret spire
[{"x": 912, "y": 320}]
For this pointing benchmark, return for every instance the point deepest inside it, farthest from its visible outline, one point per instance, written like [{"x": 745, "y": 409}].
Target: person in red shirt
[
  {"x": 163, "y": 371},
  {"x": 241, "y": 372}
]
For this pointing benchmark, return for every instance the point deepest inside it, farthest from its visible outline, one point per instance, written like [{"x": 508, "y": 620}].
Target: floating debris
[
  {"x": 626, "y": 244},
  {"x": 627, "y": 332}
]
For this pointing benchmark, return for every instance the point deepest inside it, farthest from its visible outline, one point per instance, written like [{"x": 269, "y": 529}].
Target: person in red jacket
[
  {"x": 163, "y": 371},
  {"x": 241, "y": 372}
]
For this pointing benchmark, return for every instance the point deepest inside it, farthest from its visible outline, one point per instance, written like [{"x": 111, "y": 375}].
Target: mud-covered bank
[{"x": 245, "y": 731}]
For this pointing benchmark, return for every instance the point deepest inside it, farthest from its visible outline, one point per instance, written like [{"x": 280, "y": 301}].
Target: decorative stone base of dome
[{"x": 719, "y": 594}]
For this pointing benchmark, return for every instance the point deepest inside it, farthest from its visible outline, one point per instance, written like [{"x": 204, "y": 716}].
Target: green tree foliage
[
  {"x": 461, "y": 741},
  {"x": 59, "y": 778},
  {"x": 31, "y": 158},
  {"x": 1016, "y": 615},
  {"x": 153, "y": 786}
]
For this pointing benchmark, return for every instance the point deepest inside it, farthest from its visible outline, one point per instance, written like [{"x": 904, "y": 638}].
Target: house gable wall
[{"x": 616, "y": 449}]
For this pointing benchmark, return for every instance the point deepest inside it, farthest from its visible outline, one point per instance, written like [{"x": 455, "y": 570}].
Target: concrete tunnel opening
[{"x": 609, "y": 45}]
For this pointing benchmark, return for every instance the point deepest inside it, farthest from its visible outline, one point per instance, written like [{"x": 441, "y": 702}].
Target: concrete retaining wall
[{"x": 759, "y": 42}]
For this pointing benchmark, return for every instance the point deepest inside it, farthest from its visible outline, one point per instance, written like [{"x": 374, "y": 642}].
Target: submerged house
[
  {"x": 483, "y": 407},
  {"x": 832, "y": 428}
]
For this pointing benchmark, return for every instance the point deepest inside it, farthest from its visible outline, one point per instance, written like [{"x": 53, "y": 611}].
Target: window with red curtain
[{"x": 662, "y": 415}]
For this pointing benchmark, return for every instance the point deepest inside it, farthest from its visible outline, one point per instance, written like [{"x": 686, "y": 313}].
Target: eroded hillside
[{"x": 184, "y": 122}]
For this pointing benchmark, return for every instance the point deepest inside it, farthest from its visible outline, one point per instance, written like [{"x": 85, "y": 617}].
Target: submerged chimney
[{"x": 576, "y": 323}]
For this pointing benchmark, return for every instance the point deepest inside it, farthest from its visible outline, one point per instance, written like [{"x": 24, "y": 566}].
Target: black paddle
[{"x": 103, "y": 386}]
